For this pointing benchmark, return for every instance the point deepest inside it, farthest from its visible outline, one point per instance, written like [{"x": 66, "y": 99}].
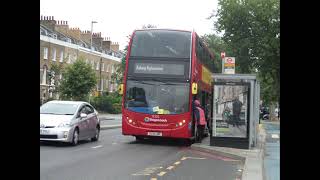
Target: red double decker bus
[{"x": 165, "y": 71}]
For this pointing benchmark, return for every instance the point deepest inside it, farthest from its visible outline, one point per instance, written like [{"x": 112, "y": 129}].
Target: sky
[{"x": 119, "y": 18}]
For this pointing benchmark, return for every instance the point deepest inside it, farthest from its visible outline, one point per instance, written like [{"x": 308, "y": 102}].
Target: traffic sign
[
  {"x": 223, "y": 54},
  {"x": 229, "y": 65}
]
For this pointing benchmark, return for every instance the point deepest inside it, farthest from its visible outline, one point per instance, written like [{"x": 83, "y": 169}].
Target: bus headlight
[{"x": 181, "y": 123}]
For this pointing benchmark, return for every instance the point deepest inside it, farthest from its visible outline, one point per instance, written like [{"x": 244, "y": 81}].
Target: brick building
[{"x": 62, "y": 45}]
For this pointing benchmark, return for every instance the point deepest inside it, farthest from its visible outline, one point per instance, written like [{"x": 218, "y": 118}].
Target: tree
[
  {"x": 56, "y": 70},
  {"x": 117, "y": 76},
  {"x": 78, "y": 81},
  {"x": 252, "y": 30},
  {"x": 216, "y": 45}
]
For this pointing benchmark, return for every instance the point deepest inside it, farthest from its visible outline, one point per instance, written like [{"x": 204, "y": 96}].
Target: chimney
[
  {"x": 115, "y": 46},
  {"x": 97, "y": 40},
  {"x": 75, "y": 33},
  {"x": 106, "y": 44},
  {"x": 62, "y": 27},
  {"x": 85, "y": 36},
  {"x": 48, "y": 21}
]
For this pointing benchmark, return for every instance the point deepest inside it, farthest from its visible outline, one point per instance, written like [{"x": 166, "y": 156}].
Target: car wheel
[
  {"x": 75, "y": 137},
  {"x": 97, "y": 134}
]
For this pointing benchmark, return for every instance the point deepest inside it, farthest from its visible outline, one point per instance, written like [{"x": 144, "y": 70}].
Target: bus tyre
[
  {"x": 196, "y": 134},
  {"x": 187, "y": 142},
  {"x": 139, "y": 138}
]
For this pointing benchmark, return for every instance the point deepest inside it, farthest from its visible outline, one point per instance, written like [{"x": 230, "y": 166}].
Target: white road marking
[
  {"x": 138, "y": 174},
  {"x": 147, "y": 171},
  {"x": 153, "y": 179},
  {"x": 194, "y": 158},
  {"x": 170, "y": 167},
  {"x": 97, "y": 147},
  {"x": 176, "y": 163},
  {"x": 183, "y": 158},
  {"x": 276, "y": 136},
  {"x": 162, "y": 173}
]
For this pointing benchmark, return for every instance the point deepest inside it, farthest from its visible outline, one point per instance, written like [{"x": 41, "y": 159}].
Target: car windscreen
[
  {"x": 161, "y": 43},
  {"x": 58, "y": 108}
]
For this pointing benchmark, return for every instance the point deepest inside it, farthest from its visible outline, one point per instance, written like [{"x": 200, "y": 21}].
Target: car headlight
[{"x": 64, "y": 125}]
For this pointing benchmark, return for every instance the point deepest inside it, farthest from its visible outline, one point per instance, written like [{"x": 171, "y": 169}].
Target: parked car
[{"x": 68, "y": 121}]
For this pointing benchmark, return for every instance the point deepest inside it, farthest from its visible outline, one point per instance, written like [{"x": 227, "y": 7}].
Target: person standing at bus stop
[
  {"x": 236, "y": 108},
  {"x": 200, "y": 120}
]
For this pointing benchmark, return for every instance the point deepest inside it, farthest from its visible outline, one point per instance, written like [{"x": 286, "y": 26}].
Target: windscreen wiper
[
  {"x": 164, "y": 82},
  {"x": 140, "y": 81}
]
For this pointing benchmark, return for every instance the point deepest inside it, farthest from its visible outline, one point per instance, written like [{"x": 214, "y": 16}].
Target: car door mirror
[{"x": 83, "y": 115}]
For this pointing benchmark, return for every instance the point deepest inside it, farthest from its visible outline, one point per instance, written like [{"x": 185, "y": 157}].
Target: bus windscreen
[{"x": 161, "y": 43}]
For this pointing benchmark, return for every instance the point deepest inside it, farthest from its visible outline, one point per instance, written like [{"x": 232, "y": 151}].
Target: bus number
[{"x": 155, "y": 116}]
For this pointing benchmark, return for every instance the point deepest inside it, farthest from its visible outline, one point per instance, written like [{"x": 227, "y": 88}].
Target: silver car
[{"x": 68, "y": 121}]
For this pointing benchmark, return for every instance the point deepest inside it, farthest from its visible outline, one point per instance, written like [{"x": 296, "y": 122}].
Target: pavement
[
  {"x": 259, "y": 163},
  {"x": 110, "y": 121},
  {"x": 254, "y": 166}
]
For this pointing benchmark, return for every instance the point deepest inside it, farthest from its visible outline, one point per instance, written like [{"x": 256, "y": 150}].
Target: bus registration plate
[{"x": 154, "y": 133}]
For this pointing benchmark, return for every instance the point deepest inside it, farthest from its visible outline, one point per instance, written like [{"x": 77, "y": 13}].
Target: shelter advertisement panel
[{"x": 230, "y": 111}]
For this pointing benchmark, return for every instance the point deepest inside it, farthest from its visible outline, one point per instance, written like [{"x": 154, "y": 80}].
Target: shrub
[{"x": 110, "y": 103}]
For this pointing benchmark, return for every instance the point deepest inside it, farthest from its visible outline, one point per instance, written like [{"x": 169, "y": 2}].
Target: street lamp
[{"x": 91, "y": 32}]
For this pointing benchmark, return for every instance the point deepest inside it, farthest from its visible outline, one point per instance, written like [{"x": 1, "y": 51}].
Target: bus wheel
[
  {"x": 139, "y": 138},
  {"x": 196, "y": 134},
  {"x": 187, "y": 142}
]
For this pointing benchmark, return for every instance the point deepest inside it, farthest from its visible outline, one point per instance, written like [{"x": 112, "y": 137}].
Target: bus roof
[
  {"x": 161, "y": 29},
  {"x": 211, "y": 53}
]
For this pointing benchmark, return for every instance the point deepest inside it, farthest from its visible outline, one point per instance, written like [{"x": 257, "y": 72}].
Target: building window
[
  {"x": 92, "y": 64},
  {"x": 45, "y": 53},
  {"x": 69, "y": 58},
  {"x": 112, "y": 70},
  {"x": 102, "y": 80},
  {"x": 74, "y": 58},
  {"x": 111, "y": 87},
  {"x": 54, "y": 54},
  {"x": 97, "y": 67},
  {"x": 41, "y": 74},
  {"x": 87, "y": 61},
  {"x": 102, "y": 66},
  {"x": 61, "y": 56},
  {"x": 107, "y": 67},
  {"x": 107, "y": 85}
]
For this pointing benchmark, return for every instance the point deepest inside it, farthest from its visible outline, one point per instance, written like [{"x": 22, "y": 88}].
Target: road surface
[{"x": 118, "y": 157}]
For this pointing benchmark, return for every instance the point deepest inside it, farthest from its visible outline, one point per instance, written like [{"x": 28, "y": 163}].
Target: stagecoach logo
[{"x": 147, "y": 119}]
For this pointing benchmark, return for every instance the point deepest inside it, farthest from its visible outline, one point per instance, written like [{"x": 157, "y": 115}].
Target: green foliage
[
  {"x": 57, "y": 69},
  {"x": 110, "y": 103},
  {"x": 216, "y": 45},
  {"x": 252, "y": 31},
  {"x": 117, "y": 76},
  {"x": 78, "y": 81}
]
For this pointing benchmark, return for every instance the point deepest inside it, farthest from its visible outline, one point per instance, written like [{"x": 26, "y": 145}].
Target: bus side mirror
[
  {"x": 120, "y": 89},
  {"x": 194, "y": 88}
]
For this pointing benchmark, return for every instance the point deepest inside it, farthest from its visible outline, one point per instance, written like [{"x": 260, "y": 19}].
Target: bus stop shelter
[{"x": 235, "y": 110}]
